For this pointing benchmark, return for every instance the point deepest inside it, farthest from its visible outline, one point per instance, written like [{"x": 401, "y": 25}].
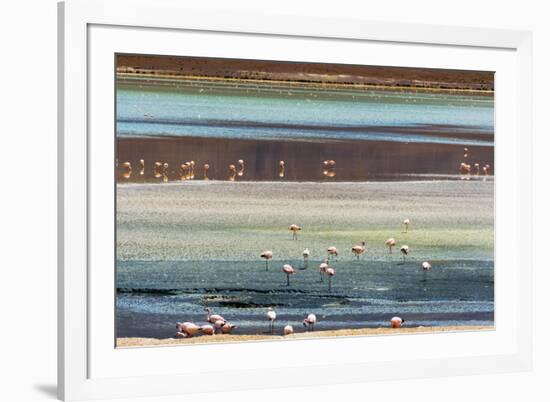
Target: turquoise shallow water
[
  {"x": 152, "y": 296},
  {"x": 229, "y": 110}
]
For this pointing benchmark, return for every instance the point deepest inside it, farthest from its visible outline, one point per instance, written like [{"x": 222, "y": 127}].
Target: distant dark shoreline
[
  {"x": 303, "y": 160},
  {"x": 148, "y": 66}
]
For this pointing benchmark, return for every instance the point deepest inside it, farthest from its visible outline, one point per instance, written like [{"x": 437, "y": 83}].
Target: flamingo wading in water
[
  {"x": 404, "y": 251},
  {"x": 267, "y": 255},
  {"x": 332, "y": 251},
  {"x": 305, "y": 254},
  {"x": 359, "y": 249},
  {"x": 323, "y": 268},
  {"x": 294, "y": 229},
  {"x": 288, "y": 270},
  {"x": 330, "y": 273},
  {"x": 309, "y": 321},
  {"x": 271, "y": 316},
  {"x": 390, "y": 243}
]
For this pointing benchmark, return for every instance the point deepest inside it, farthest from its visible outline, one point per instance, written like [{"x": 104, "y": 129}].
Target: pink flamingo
[
  {"x": 397, "y": 322},
  {"x": 208, "y": 329},
  {"x": 294, "y": 229},
  {"x": 282, "y": 169},
  {"x": 306, "y": 254},
  {"x": 188, "y": 328},
  {"x": 404, "y": 251},
  {"x": 323, "y": 268},
  {"x": 332, "y": 251},
  {"x": 330, "y": 273},
  {"x": 227, "y": 328},
  {"x": 232, "y": 172},
  {"x": 218, "y": 325},
  {"x": 288, "y": 270},
  {"x": 128, "y": 173},
  {"x": 359, "y": 249},
  {"x": 390, "y": 243},
  {"x": 205, "y": 170},
  {"x": 426, "y": 266},
  {"x": 271, "y": 316},
  {"x": 288, "y": 330},
  {"x": 310, "y": 321},
  {"x": 267, "y": 255},
  {"x": 141, "y": 167},
  {"x": 406, "y": 223},
  {"x": 212, "y": 318},
  {"x": 240, "y": 162}
]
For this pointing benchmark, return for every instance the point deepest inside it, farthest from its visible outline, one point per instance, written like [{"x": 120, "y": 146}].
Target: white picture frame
[{"x": 88, "y": 367}]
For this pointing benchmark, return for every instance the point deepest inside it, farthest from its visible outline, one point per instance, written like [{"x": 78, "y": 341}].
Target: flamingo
[
  {"x": 165, "y": 172},
  {"x": 232, "y": 172},
  {"x": 288, "y": 270},
  {"x": 282, "y": 169},
  {"x": 294, "y": 229},
  {"x": 192, "y": 172},
  {"x": 390, "y": 243},
  {"x": 323, "y": 268},
  {"x": 240, "y": 162},
  {"x": 207, "y": 329},
  {"x": 212, "y": 318},
  {"x": 406, "y": 223},
  {"x": 329, "y": 163},
  {"x": 184, "y": 168},
  {"x": 332, "y": 251},
  {"x": 426, "y": 266},
  {"x": 404, "y": 251},
  {"x": 205, "y": 169},
  {"x": 128, "y": 173},
  {"x": 267, "y": 255},
  {"x": 306, "y": 253},
  {"x": 271, "y": 316},
  {"x": 464, "y": 168},
  {"x": 157, "y": 170},
  {"x": 397, "y": 322},
  {"x": 218, "y": 325},
  {"x": 288, "y": 330},
  {"x": 310, "y": 321},
  {"x": 227, "y": 328},
  {"x": 486, "y": 169},
  {"x": 188, "y": 328},
  {"x": 476, "y": 166},
  {"x": 330, "y": 273},
  {"x": 141, "y": 167},
  {"x": 465, "y": 152},
  {"x": 359, "y": 249}
]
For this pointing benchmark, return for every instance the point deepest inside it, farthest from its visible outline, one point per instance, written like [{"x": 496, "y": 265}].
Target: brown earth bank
[
  {"x": 227, "y": 338},
  {"x": 345, "y": 74}
]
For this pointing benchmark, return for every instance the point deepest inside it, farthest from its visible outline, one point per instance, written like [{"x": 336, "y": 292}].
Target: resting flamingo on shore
[
  {"x": 271, "y": 316},
  {"x": 323, "y": 268},
  {"x": 207, "y": 329},
  {"x": 288, "y": 330},
  {"x": 240, "y": 162},
  {"x": 227, "y": 328},
  {"x": 404, "y": 251},
  {"x": 397, "y": 322},
  {"x": 332, "y": 251},
  {"x": 288, "y": 270},
  {"x": 294, "y": 229},
  {"x": 188, "y": 328},
  {"x": 218, "y": 325},
  {"x": 359, "y": 249},
  {"x": 406, "y": 223},
  {"x": 390, "y": 243},
  {"x": 330, "y": 273},
  {"x": 267, "y": 255},
  {"x": 309, "y": 321},
  {"x": 212, "y": 318}
]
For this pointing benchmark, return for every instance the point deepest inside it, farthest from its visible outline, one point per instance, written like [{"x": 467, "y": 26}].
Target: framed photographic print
[{"x": 357, "y": 193}]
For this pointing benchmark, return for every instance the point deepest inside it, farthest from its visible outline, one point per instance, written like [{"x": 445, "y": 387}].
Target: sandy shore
[{"x": 140, "y": 342}]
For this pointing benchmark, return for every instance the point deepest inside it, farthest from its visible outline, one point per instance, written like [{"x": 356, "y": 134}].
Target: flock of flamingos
[{"x": 218, "y": 324}]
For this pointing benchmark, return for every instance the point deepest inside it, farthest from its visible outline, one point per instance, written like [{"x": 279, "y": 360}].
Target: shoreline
[{"x": 206, "y": 339}]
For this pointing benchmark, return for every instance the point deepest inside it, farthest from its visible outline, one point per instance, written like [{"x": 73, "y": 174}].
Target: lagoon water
[{"x": 167, "y": 233}]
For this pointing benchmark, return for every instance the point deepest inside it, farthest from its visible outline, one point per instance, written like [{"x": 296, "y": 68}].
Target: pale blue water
[
  {"x": 241, "y": 111},
  {"x": 153, "y": 296}
]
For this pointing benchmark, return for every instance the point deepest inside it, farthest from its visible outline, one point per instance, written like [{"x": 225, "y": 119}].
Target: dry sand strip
[{"x": 141, "y": 342}]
